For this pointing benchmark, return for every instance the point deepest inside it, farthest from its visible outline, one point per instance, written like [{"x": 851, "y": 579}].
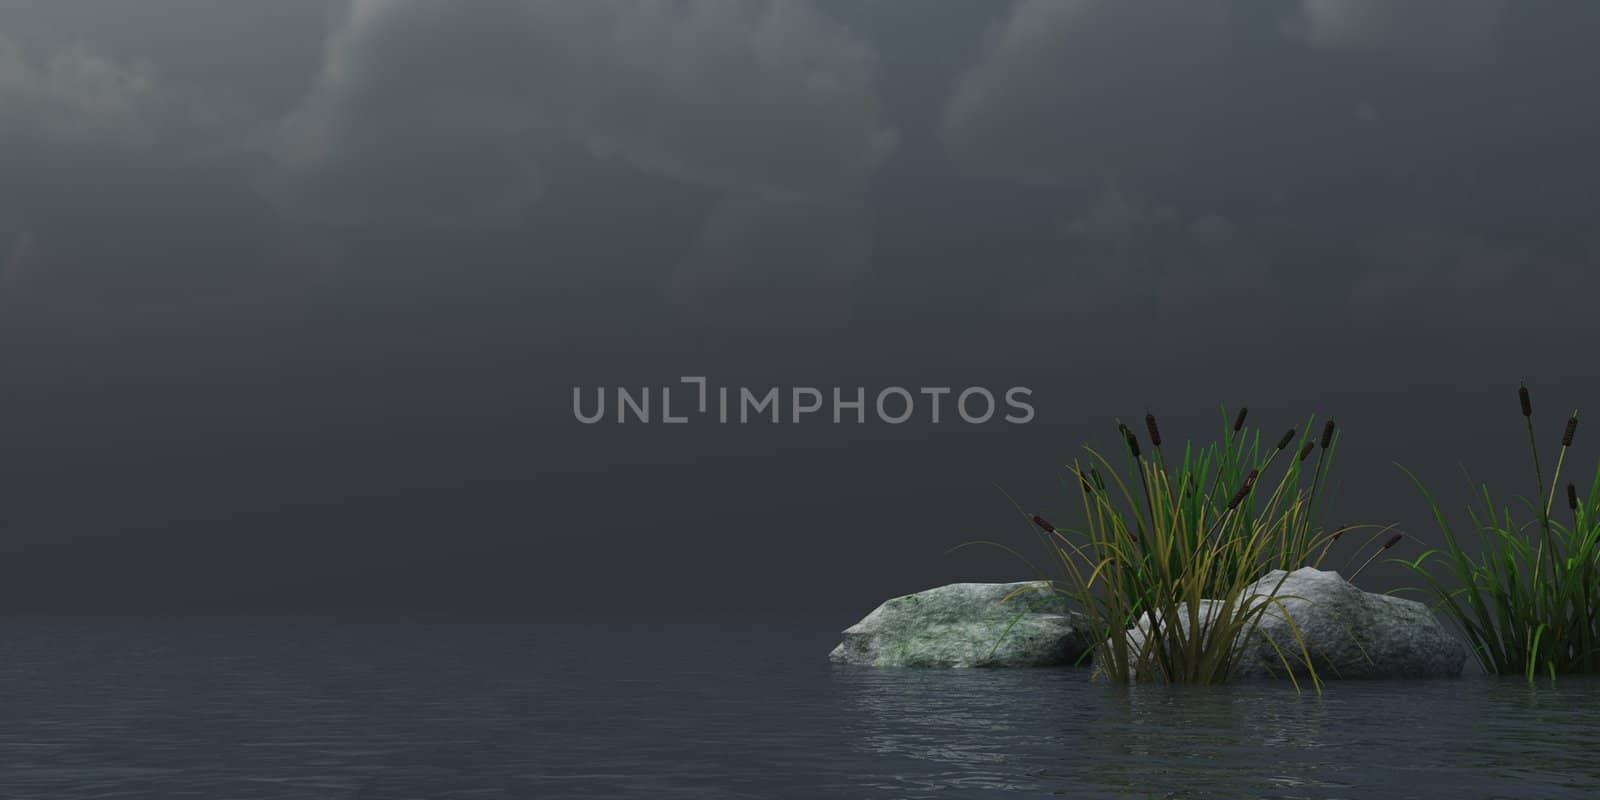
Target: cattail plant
[
  {"x": 1333, "y": 538},
  {"x": 1244, "y": 489},
  {"x": 1165, "y": 532},
  {"x": 1288, "y": 436},
  {"x": 1527, "y": 596},
  {"x": 1393, "y": 540}
]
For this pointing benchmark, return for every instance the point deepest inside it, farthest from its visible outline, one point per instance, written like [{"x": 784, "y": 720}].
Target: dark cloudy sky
[{"x": 293, "y": 295}]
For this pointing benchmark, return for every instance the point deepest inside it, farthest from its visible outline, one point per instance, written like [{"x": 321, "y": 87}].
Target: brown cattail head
[
  {"x": 1572, "y": 497},
  {"x": 1527, "y": 402},
  {"x": 1043, "y": 524},
  {"x": 1572, "y": 428},
  {"x": 1238, "y": 422},
  {"x": 1305, "y": 449},
  {"x": 1327, "y": 434},
  {"x": 1133, "y": 441},
  {"x": 1288, "y": 436},
  {"x": 1155, "y": 432},
  {"x": 1392, "y": 541},
  {"x": 1238, "y": 497}
]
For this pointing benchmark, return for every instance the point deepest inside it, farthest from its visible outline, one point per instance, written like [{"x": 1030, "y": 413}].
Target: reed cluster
[
  {"x": 1528, "y": 598},
  {"x": 1164, "y": 532}
]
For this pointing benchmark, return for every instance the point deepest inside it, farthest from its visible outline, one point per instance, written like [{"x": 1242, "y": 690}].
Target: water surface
[{"x": 704, "y": 712}]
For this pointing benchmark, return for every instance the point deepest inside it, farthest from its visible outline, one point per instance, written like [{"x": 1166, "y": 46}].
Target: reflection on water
[
  {"x": 722, "y": 712},
  {"x": 1055, "y": 733}
]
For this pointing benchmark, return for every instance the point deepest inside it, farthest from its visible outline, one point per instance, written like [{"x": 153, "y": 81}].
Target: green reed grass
[
  {"x": 1164, "y": 532},
  {"x": 1528, "y": 600}
]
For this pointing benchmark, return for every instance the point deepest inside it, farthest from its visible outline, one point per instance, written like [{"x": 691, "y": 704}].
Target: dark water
[{"x": 705, "y": 712}]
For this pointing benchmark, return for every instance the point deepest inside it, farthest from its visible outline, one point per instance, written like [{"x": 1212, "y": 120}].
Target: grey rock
[
  {"x": 1024, "y": 624},
  {"x": 1348, "y": 633}
]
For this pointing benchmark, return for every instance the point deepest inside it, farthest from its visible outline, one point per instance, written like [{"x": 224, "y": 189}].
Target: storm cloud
[
  {"x": 1443, "y": 34},
  {"x": 87, "y": 142},
  {"x": 773, "y": 105},
  {"x": 1060, "y": 94},
  {"x": 766, "y": 99}
]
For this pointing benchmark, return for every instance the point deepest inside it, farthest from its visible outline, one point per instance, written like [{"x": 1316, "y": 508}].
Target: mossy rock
[{"x": 1023, "y": 624}]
